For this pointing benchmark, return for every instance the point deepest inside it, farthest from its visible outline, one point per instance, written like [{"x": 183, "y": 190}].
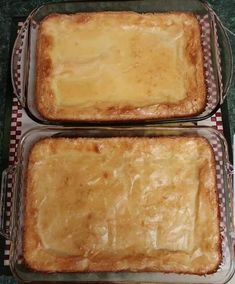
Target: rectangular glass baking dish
[
  {"x": 17, "y": 173},
  {"x": 217, "y": 52}
]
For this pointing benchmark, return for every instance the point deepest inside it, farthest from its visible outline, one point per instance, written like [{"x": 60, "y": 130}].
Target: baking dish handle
[
  {"x": 8, "y": 176},
  {"x": 224, "y": 57},
  {"x": 19, "y": 63}
]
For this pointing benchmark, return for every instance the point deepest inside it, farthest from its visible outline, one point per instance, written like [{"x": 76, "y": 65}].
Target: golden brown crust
[
  {"x": 191, "y": 88},
  {"x": 44, "y": 69},
  {"x": 192, "y": 161}
]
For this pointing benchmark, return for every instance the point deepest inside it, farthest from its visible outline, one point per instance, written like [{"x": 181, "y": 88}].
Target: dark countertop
[{"x": 21, "y": 8}]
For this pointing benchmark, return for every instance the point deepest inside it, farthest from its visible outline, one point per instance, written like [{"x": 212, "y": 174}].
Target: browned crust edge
[
  {"x": 219, "y": 244},
  {"x": 193, "y": 105}
]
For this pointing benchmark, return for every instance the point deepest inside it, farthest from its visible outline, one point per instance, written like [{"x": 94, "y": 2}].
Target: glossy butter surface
[{"x": 122, "y": 204}]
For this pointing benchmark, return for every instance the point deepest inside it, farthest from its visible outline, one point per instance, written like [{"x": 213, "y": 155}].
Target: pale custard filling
[{"x": 98, "y": 63}]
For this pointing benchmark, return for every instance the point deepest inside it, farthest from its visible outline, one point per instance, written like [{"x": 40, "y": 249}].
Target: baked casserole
[
  {"x": 122, "y": 204},
  {"x": 115, "y": 66}
]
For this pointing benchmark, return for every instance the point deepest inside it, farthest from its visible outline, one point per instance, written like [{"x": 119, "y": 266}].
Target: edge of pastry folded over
[
  {"x": 111, "y": 66},
  {"x": 122, "y": 204}
]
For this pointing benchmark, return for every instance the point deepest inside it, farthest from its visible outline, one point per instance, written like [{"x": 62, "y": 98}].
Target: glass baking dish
[
  {"x": 215, "y": 43},
  {"x": 17, "y": 174}
]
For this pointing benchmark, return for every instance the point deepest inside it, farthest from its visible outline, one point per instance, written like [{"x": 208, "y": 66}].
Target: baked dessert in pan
[
  {"x": 122, "y": 204},
  {"x": 114, "y": 66}
]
